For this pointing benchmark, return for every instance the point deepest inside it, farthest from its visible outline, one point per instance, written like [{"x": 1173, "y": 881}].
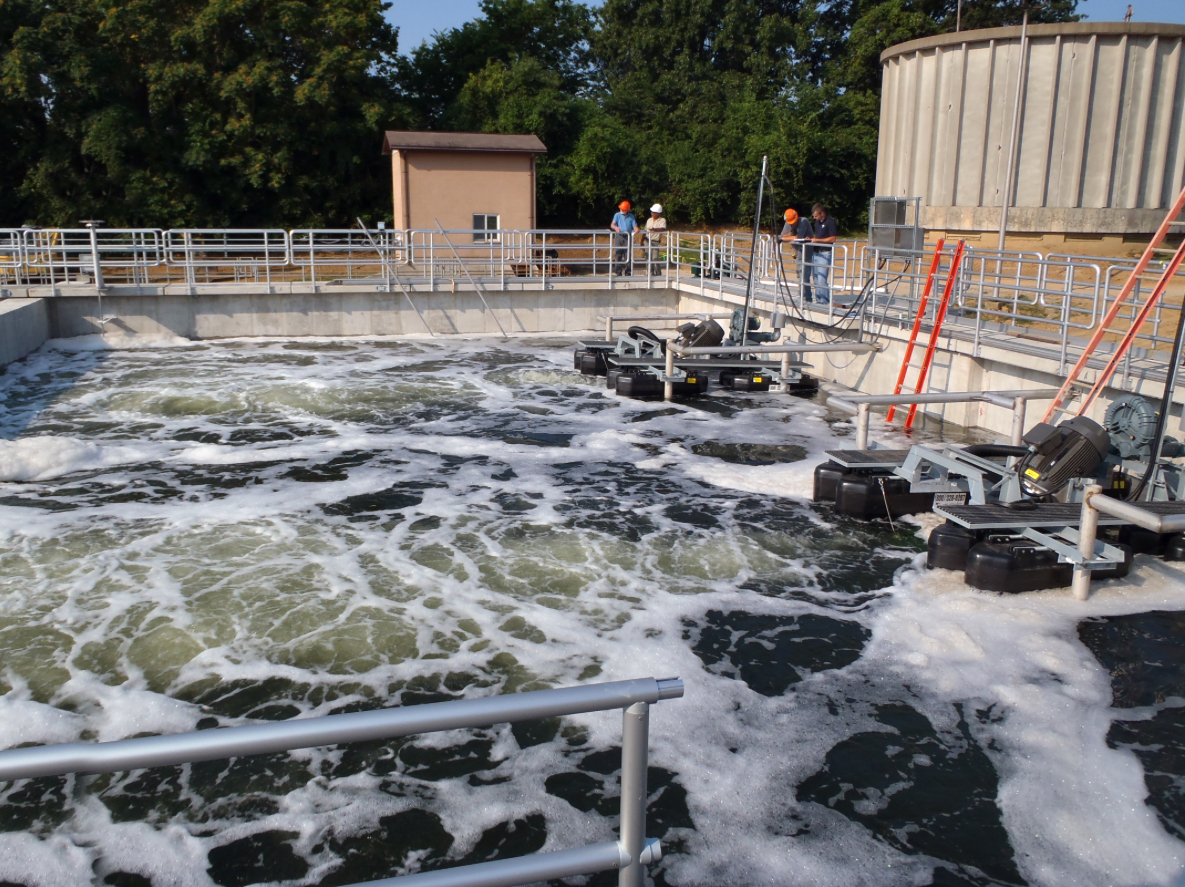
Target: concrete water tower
[{"x": 1100, "y": 134}]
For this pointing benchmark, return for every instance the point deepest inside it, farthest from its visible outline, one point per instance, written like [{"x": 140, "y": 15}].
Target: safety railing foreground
[{"x": 628, "y": 855}]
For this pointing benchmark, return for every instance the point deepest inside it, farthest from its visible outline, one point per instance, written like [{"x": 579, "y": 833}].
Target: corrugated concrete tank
[{"x": 1101, "y": 138}]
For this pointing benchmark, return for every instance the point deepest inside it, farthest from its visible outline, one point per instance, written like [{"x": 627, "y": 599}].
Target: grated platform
[
  {"x": 1050, "y": 514},
  {"x": 867, "y": 458}
]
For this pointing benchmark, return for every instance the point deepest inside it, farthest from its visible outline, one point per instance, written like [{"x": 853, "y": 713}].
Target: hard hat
[
  {"x": 657, "y": 208},
  {"x": 791, "y": 216},
  {"x": 624, "y": 206}
]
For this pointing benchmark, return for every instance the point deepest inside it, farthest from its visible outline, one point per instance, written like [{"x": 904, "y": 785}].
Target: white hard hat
[{"x": 657, "y": 208}]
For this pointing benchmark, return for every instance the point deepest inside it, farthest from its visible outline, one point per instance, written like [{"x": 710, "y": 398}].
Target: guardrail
[
  {"x": 629, "y": 855},
  {"x": 1017, "y": 401},
  {"x": 1094, "y": 503},
  {"x": 610, "y": 319},
  {"x": 1020, "y": 301}
]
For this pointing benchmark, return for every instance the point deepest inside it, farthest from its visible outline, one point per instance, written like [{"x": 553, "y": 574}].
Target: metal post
[
  {"x": 752, "y": 254},
  {"x": 635, "y": 741},
  {"x": 1008, "y": 178},
  {"x": 609, "y": 328},
  {"x": 668, "y": 386},
  {"x": 1020, "y": 407},
  {"x": 785, "y": 372},
  {"x": 1086, "y": 539},
  {"x": 862, "y": 416}
]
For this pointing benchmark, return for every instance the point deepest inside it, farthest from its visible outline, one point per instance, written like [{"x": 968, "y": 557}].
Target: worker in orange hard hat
[
  {"x": 798, "y": 233},
  {"x": 624, "y": 226}
]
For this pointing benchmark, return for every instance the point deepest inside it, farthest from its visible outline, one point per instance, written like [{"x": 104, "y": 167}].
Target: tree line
[{"x": 261, "y": 113}]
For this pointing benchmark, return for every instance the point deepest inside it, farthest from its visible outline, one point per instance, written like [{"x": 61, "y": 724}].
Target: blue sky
[{"x": 418, "y": 19}]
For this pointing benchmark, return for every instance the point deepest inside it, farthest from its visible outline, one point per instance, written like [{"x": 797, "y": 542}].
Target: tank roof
[{"x": 1132, "y": 29}]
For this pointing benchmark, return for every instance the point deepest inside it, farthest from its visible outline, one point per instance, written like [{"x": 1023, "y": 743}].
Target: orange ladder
[
  {"x": 1107, "y": 321},
  {"x": 932, "y": 344},
  {"x": 1130, "y": 336},
  {"x": 917, "y": 324}
]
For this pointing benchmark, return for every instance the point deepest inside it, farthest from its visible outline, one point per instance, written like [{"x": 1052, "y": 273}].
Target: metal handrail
[
  {"x": 1017, "y": 401},
  {"x": 629, "y": 854},
  {"x": 1095, "y": 502},
  {"x": 1000, "y": 296}
]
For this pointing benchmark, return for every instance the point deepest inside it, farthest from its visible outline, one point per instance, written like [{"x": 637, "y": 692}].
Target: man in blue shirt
[
  {"x": 826, "y": 232},
  {"x": 624, "y": 225}
]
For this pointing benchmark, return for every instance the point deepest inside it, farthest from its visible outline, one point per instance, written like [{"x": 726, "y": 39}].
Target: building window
[{"x": 485, "y": 228}]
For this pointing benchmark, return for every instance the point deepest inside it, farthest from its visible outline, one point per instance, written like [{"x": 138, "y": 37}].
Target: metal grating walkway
[
  {"x": 867, "y": 458},
  {"x": 1047, "y": 514}
]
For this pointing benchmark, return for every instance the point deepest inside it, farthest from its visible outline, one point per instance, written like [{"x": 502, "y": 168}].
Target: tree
[
  {"x": 204, "y": 112},
  {"x": 552, "y": 32}
]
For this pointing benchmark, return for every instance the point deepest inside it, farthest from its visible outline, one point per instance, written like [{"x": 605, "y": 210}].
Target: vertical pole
[
  {"x": 1086, "y": 538},
  {"x": 609, "y": 328},
  {"x": 752, "y": 254},
  {"x": 1020, "y": 405},
  {"x": 635, "y": 744},
  {"x": 1008, "y": 178},
  {"x": 862, "y": 415},
  {"x": 785, "y": 371},
  {"x": 668, "y": 387},
  {"x": 92, "y": 227}
]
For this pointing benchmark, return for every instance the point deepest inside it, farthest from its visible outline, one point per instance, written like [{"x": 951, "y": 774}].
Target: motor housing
[{"x": 1075, "y": 448}]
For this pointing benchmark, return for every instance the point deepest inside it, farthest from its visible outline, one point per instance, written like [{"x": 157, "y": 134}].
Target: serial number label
[{"x": 950, "y": 498}]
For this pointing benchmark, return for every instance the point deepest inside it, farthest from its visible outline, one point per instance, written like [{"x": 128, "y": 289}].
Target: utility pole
[
  {"x": 1006, "y": 197},
  {"x": 959, "y": 17}
]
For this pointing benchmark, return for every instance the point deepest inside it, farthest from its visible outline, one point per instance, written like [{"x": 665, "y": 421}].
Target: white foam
[{"x": 256, "y": 583}]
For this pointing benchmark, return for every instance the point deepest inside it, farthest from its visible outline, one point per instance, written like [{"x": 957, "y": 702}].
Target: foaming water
[{"x": 203, "y": 535}]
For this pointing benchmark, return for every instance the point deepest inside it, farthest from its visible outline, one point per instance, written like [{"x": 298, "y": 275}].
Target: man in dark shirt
[
  {"x": 798, "y": 233},
  {"x": 826, "y": 232}
]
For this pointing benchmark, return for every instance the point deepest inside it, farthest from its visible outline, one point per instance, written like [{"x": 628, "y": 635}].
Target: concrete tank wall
[{"x": 1101, "y": 145}]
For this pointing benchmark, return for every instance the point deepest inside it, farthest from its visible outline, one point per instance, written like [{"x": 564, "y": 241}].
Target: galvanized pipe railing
[
  {"x": 610, "y": 319},
  {"x": 629, "y": 854},
  {"x": 1017, "y": 401},
  {"x": 1094, "y": 503}
]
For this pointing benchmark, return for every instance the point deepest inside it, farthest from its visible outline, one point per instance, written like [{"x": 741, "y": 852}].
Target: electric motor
[{"x": 1075, "y": 448}]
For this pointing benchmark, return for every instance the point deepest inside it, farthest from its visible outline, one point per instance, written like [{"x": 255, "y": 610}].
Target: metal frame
[{"x": 630, "y": 854}]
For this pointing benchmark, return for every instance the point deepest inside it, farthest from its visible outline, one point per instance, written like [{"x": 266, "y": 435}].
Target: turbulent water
[{"x": 204, "y": 535}]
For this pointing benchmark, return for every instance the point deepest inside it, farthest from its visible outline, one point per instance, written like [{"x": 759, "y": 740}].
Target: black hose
[{"x": 995, "y": 451}]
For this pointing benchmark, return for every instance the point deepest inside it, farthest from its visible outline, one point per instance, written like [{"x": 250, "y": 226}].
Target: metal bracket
[{"x": 1106, "y": 556}]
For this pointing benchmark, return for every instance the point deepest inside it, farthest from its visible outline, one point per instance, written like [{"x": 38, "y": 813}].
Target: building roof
[{"x": 396, "y": 140}]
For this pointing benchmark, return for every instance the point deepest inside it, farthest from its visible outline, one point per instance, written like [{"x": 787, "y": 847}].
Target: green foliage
[
  {"x": 201, "y": 112},
  {"x": 270, "y": 112}
]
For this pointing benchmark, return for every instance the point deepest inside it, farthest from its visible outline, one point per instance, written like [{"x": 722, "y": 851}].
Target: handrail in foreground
[
  {"x": 628, "y": 855},
  {"x": 1094, "y": 503},
  {"x": 1017, "y": 401}
]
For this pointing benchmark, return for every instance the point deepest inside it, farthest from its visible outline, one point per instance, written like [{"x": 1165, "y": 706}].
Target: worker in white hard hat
[{"x": 656, "y": 232}]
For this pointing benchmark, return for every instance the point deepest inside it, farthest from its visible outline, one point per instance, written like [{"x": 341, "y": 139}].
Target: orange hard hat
[
  {"x": 791, "y": 216},
  {"x": 624, "y": 206}
]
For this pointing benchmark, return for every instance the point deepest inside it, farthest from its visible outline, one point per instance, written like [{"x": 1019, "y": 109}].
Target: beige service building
[{"x": 467, "y": 180}]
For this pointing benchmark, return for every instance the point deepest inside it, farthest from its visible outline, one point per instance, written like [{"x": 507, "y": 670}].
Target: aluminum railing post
[
  {"x": 609, "y": 328},
  {"x": 862, "y": 416},
  {"x": 1086, "y": 538},
  {"x": 92, "y": 228},
  {"x": 1018, "y": 420},
  {"x": 635, "y": 742},
  {"x": 668, "y": 386}
]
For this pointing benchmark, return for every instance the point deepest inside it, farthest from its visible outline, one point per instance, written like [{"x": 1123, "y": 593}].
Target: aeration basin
[{"x": 202, "y": 535}]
